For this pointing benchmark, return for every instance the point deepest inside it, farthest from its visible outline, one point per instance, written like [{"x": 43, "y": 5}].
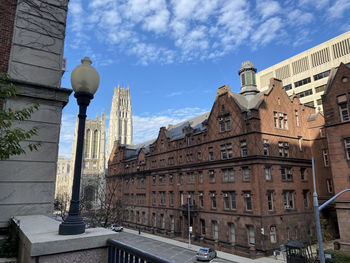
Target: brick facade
[
  {"x": 336, "y": 101},
  {"x": 219, "y": 161},
  {"x": 7, "y": 18}
]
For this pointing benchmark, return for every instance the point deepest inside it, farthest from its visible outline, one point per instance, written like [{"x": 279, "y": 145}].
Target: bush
[
  {"x": 10, "y": 248},
  {"x": 337, "y": 256}
]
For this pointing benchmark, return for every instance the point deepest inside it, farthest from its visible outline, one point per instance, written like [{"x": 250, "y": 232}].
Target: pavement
[{"x": 220, "y": 254}]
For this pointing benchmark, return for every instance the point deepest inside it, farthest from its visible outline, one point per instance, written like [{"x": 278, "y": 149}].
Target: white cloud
[
  {"x": 338, "y": 9},
  {"x": 175, "y": 31},
  {"x": 147, "y": 127},
  {"x": 267, "y": 31},
  {"x": 267, "y": 8}
]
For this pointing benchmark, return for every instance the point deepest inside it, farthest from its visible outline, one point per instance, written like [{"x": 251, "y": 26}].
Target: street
[{"x": 162, "y": 249}]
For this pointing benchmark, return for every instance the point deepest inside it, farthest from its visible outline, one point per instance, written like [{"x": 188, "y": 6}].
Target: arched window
[
  {"x": 89, "y": 193},
  {"x": 94, "y": 144},
  {"x": 87, "y": 143}
]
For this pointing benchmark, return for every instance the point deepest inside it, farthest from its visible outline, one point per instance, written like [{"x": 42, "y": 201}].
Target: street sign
[{"x": 190, "y": 229}]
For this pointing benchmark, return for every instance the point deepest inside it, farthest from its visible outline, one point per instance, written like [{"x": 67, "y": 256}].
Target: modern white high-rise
[
  {"x": 120, "y": 122},
  {"x": 306, "y": 74}
]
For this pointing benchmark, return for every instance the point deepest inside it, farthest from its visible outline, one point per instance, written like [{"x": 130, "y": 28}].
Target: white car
[
  {"x": 205, "y": 253},
  {"x": 117, "y": 228}
]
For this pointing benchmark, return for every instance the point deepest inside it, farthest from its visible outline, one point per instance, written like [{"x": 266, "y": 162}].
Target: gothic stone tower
[
  {"x": 93, "y": 170},
  {"x": 120, "y": 122}
]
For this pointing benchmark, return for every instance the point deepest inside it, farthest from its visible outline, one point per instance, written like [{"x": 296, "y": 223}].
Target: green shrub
[{"x": 337, "y": 256}]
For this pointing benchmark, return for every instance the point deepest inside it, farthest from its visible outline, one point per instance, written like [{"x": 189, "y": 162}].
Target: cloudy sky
[{"x": 174, "y": 54}]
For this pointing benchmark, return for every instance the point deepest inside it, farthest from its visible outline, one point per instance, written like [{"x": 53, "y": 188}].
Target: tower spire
[{"x": 248, "y": 81}]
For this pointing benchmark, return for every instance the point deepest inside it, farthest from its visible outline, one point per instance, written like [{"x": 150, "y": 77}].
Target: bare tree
[{"x": 108, "y": 208}]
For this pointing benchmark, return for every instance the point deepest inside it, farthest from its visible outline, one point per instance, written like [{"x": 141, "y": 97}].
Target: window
[
  {"x": 211, "y": 153},
  {"x": 162, "y": 145},
  {"x": 144, "y": 217},
  {"x": 224, "y": 123},
  {"x": 233, "y": 200},
  {"x": 296, "y": 113},
  {"x": 199, "y": 155},
  {"x": 162, "y": 179},
  {"x": 322, "y": 132},
  {"x": 286, "y": 174},
  {"x": 273, "y": 234},
  {"x": 270, "y": 200},
  {"x": 215, "y": 229},
  {"x": 154, "y": 220},
  {"x": 200, "y": 177},
  {"x": 94, "y": 144},
  {"x": 226, "y": 151},
  {"x": 228, "y": 175},
  {"x": 344, "y": 112},
  {"x": 302, "y": 82},
  {"x": 225, "y": 197},
  {"x": 347, "y": 147},
  {"x": 306, "y": 198},
  {"x": 310, "y": 104},
  {"x": 303, "y": 174},
  {"x": 190, "y": 178},
  {"x": 181, "y": 179},
  {"x": 325, "y": 157},
  {"x": 154, "y": 164},
  {"x": 232, "y": 233},
  {"x": 172, "y": 222},
  {"x": 288, "y": 200},
  {"x": 162, "y": 220},
  {"x": 201, "y": 199},
  {"x": 283, "y": 149},
  {"x": 171, "y": 198},
  {"x": 248, "y": 201},
  {"x": 244, "y": 150},
  {"x": 213, "y": 200},
  {"x": 87, "y": 143},
  {"x": 211, "y": 176},
  {"x": 171, "y": 179},
  {"x": 189, "y": 157},
  {"x": 321, "y": 75},
  {"x": 319, "y": 102},
  {"x": 320, "y": 88},
  {"x": 171, "y": 160},
  {"x": 154, "y": 198},
  {"x": 189, "y": 140},
  {"x": 223, "y": 151},
  {"x": 304, "y": 93},
  {"x": 202, "y": 226},
  {"x": 287, "y": 87},
  {"x": 267, "y": 174},
  {"x": 266, "y": 147},
  {"x": 251, "y": 235},
  {"x": 280, "y": 120},
  {"x": 246, "y": 174},
  {"x": 330, "y": 185}
]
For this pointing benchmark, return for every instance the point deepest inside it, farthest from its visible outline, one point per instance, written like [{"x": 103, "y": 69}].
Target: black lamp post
[{"x": 85, "y": 81}]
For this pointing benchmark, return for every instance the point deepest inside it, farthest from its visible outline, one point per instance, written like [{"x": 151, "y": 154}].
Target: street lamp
[
  {"x": 84, "y": 80},
  {"x": 189, "y": 221}
]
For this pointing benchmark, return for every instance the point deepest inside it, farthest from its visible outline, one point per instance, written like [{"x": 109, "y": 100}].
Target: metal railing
[{"x": 119, "y": 252}]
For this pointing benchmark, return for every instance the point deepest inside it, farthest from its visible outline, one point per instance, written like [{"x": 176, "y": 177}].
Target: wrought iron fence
[{"x": 119, "y": 252}]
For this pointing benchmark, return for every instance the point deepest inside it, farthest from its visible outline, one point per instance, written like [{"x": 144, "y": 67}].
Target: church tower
[{"x": 120, "y": 122}]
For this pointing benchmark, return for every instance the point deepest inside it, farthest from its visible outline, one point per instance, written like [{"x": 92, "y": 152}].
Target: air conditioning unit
[
  {"x": 246, "y": 195},
  {"x": 212, "y": 194},
  {"x": 273, "y": 229},
  {"x": 200, "y": 194},
  {"x": 127, "y": 166},
  {"x": 225, "y": 195}
]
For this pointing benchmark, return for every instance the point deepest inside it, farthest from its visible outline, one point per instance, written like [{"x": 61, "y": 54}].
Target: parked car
[
  {"x": 205, "y": 253},
  {"x": 117, "y": 228}
]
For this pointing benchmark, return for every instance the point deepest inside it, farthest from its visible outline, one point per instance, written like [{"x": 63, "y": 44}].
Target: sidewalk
[{"x": 220, "y": 254}]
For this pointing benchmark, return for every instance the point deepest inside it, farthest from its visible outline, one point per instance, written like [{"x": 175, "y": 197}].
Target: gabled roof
[
  {"x": 177, "y": 131},
  {"x": 248, "y": 103}
]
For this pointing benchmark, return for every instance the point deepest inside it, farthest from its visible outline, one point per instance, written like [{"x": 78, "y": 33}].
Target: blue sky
[{"x": 174, "y": 54}]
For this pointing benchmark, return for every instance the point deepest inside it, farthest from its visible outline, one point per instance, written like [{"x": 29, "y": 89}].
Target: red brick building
[
  {"x": 336, "y": 101},
  {"x": 244, "y": 168}
]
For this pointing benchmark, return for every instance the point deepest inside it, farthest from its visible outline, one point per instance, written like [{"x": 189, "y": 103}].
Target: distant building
[
  {"x": 243, "y": 169},
  {"x": 93, "y": 170},
  {"x": 64, "y": 180},
  {"x": 31, "y": 52},
  {"x": 306, "y": 74},
  {"x": 120, "y": 121},
  {"x": 336, "y": 106}
]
